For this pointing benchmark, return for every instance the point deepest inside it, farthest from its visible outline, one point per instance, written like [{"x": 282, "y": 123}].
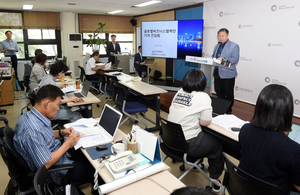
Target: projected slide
[
  {"x": 172, "y": 39},
  {"x": 159, "y": 39},
  {"x": 190, "y": 33},
  {"x": 295, "y": 133}
]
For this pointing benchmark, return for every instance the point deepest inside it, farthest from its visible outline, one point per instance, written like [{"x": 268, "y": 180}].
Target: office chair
[
  {"x": 109, "y": 89},
  {"x": 21, "y": 176},
  {"x": 1, "y": 83},
  {"x": 175, "y": 146},
  {"x": 128, "y": 108},
  {"x": 44, "y": 184},
  {"x": 82, "y": 77},
  {"x": 245, "y": 184},
  {"x": 220, "y": 106},
  {"x": 27, "y": 72}
]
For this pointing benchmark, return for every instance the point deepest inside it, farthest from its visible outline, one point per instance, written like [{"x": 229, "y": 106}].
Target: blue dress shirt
[
  {"x": 34, "y": 140},
  {"x": 12, "y": 45}
]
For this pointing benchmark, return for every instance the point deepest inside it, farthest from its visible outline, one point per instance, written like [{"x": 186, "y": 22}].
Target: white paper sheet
[
  {"x": 88, "y": 122},
  {"x": 116, "y": 184},
  {"x": 228, "y": 121}
]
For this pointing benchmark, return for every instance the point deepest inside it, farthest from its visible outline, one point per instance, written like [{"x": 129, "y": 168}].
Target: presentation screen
[
  {"x": 190, "y": 34},
  {"x": 172, "y": 39},
  {"x": 159, "y": 39}
]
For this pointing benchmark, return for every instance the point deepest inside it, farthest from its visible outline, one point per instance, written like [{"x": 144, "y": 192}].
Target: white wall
[{"x": 268, "y": 35}]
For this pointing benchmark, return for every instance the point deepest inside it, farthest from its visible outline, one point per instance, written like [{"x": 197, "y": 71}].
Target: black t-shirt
[{"x": 271, "y": 156}]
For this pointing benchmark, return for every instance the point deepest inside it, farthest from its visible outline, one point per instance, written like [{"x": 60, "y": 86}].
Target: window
[
  {"x": 10, "y": 19},
  {"x": 122, "y": 37},
  {"x": 29, "y": 40},
  {"x": 17, "y": 35},
  {"x": 49, "y": 50},
  {"x": 125, "y": 41}
]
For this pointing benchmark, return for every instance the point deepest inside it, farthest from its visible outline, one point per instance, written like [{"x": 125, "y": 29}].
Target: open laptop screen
[
  {"x": 295, "y": 133},
  {"x": 110, "y": 119},
  {"x": 86, "y": 87}
]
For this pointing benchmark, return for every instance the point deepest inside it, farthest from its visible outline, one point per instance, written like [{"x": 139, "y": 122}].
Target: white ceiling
[{"x": 97, "y": 6}]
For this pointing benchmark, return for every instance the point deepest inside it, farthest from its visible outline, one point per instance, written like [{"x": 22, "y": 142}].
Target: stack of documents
[{"x": 90, "y": 135}]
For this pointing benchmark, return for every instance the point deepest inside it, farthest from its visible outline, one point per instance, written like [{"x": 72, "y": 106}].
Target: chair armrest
[
  {"x": 61, "y": 167},
  {"x": 4, "y": 120}
]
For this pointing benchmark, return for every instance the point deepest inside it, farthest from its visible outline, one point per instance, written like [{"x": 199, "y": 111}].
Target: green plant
[{"x": 94, "y": 41}]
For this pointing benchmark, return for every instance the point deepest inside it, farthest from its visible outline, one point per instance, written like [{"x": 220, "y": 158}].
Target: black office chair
[
  {"x": 220, "y": 106},
  {"x": 128, "y": 108},
  {"x": 109, "y": 88},
  {"x": 21, "y": 176},
  {"x": 246, "y": 184},
  {"x": 175, "y": 146},
  {"x": 44, "y": 184},
  {"x": 26, "y": 84}
]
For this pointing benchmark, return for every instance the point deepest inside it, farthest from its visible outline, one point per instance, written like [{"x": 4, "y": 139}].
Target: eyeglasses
[{"x": 104, "y": 157}]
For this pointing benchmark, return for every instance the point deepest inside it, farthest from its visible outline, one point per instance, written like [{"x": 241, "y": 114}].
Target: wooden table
[{"x": 88, "y": 101}]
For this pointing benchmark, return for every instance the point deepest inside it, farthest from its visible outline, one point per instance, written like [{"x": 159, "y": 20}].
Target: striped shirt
[{"x": 34, "y": 140}]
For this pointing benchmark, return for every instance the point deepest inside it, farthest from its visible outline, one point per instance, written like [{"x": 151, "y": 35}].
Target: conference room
[{"x": 241, "y": 48}]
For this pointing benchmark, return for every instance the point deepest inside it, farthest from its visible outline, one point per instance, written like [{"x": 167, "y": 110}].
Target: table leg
[
  {"x": 148, "y": 74},
  {"x": 157, "y": 110}
]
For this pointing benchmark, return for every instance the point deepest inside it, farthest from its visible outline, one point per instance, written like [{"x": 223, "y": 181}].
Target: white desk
[
  {"x": 148, "y": 187},
  {"x": 146, "y": 90}
]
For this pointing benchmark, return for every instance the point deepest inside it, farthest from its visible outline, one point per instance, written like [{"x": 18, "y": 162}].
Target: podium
[
  {"x": 124, "y": 62},
  {"x": 207, "y": 69}
]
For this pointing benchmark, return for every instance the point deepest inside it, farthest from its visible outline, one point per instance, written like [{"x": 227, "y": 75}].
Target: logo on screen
[
  {"x": 274, "y": 8},
  {"x": 240, "y": 26},
  {"x": 269, "y": 44},
  {"x": 299, "y": 23},
  {"x": 297, "y": 102},
  {"x": 297, "y": 63},
  {"x": 221, "y": 14},
  {"x": 236, "y": 88},
  {"x": 207, "y": 81},
  {"x": 267, "y": 79}
]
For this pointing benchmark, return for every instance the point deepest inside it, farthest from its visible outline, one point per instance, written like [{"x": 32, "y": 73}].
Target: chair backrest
[
  {"x": 173, "y": 137},
  {"x": 120, "y": 94},
  {"x": 31, "y": 97},
  {"x": 82, "y": 74},
  {"x": 245, "y": 184},
  {"x": 18, "y": 169},
  {"x": 219, "y": 105},
  {"x": 109, "y": 84}
]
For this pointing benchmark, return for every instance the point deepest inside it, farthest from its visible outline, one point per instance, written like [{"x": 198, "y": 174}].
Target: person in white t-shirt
[
  {"x": 91, "y": 67},
  {"x": 191, "y": 107}
]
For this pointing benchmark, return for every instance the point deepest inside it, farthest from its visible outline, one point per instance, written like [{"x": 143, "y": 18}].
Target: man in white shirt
[{"x": 91, "y": 67}]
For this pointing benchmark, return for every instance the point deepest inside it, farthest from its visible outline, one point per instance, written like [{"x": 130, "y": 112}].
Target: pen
[
  {"x": 127, "y": 171},
  {"x": 73, "y": 135}
]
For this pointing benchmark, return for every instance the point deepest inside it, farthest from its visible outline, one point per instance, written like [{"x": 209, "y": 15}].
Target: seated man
[
  {"x": 57, "y": 71},
  {"x": 37, "y": 143},
  {"x": 91, "y": 67},
  {"x": 138, "y": 59}
]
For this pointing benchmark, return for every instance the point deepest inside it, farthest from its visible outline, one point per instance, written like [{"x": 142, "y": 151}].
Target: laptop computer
[
  {"x": 108, "y": 124},
  {"x": 86, "y": 87},
  {"x": 219, "y": 106},
  {"x": 295, "y": 133}
]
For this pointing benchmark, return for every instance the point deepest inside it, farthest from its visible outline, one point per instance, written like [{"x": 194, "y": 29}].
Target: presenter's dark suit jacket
[
  {"x": 137, "y": 57},
  {"x": 110, "y": 48}
]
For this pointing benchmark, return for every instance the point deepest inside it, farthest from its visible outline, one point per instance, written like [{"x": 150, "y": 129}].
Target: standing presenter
[
  {"x": 225, "y": 78},
  {"x": 9, "y": 47}
]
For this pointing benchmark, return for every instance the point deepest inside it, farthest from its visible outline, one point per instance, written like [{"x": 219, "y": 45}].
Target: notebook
[
  {"x": 86, "y": 87},
  {"x": 295, "y": 133}
]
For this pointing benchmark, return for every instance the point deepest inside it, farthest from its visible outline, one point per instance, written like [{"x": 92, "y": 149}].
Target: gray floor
[{"x": 13, "y": 113}]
